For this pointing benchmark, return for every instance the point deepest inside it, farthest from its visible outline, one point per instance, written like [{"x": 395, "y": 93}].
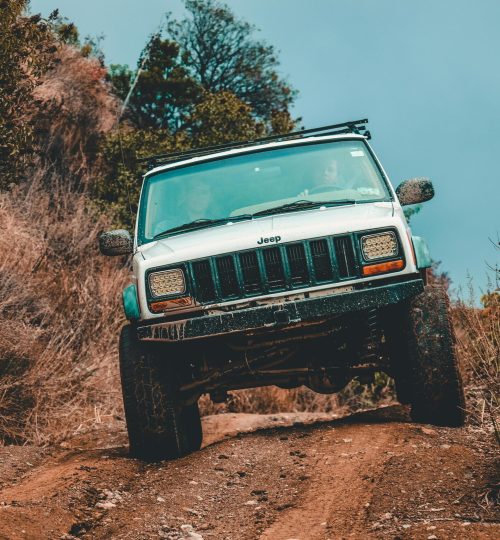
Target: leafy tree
[
  {"x": 209, "y": 52},
  {"x": 27, "y": 49},
  {"x": 67, "y": 33},
  {"x": 92, "y": 47},
  {"x": 118, "y": 189},
  {"x": 65, "y": 30},
  {"x": 282, "y": 122},
  {"x": 164, "y": 94},
  {"x": 221, "y": 54},
  {"x": 222, "y": 118}
]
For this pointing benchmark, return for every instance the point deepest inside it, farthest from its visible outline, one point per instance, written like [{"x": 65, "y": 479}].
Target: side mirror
[
  {"x": 117, "y": 242},
  {"x": 414, "y": 191}
]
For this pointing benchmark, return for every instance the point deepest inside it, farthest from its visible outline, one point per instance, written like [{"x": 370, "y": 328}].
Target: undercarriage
[{"x": 323, "y": 355}]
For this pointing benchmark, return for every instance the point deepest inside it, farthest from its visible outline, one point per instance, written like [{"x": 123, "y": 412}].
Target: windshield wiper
[
  {"x": 289, "y": 207},
  {"x": 300, "y": 205},
  {"x": 201, "y": 223}
]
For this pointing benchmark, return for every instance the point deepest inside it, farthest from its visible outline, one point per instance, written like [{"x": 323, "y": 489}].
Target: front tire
[
  {"x": 159, "y": 426},
  {"x": 425, "y": 364}
]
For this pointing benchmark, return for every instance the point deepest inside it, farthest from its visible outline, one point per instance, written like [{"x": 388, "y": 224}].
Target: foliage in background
[
  {"x": 410, "y": 211},
  {"x": 221, "y": 54},
  {"x": 120, "y": 152},
  {"x": 67, "y": 33},
  {"x": 221, "y": 118},
  {"x": 26, "y": 52},
  {"x": 54, "y": 102},
  {"x": 74, "y": 110},
  {"x": 272, "y": 399},
  {"x": 164, "y": 94},
  {"x": 209, "y": 52}
]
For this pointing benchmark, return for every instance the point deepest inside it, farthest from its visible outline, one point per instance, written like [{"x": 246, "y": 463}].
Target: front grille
[
  {"x": 274, "y": 268},
  {"x": 345, "y": 256},
  {"x": 321, "y": 260},
  {"x": 204, "y": 281},
  {"x": 299, "y": 271},
  {"x": 271, "y": 269},
  {"x": 252, "y": 280},
  {"x": 227, "y": 276}
]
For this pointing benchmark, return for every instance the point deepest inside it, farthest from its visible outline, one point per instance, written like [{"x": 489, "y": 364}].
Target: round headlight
[
  {"x": 379, "y": 246},
  {"x": 167, "y": 282}
]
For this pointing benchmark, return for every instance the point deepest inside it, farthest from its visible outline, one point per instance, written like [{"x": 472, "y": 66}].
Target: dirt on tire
[{"x": 275, "y": 477}]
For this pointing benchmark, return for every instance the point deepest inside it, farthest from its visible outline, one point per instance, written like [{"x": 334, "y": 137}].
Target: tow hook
[{"x": 282, "y": 317}]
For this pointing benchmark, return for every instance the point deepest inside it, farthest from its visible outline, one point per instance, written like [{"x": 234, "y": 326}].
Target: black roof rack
[{"x": 354, "y": 126}]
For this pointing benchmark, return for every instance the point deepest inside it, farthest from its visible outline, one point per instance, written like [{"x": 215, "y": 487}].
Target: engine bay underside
[{"x": 324, "y": 356}]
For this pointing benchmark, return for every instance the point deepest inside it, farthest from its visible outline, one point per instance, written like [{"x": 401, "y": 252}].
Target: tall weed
[
  {"x": 59, "y": 315},
  {"x": 478, "y": 343}
]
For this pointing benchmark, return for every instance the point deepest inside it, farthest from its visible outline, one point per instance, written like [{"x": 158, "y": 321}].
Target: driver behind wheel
[{"x": 330, "y": 178}]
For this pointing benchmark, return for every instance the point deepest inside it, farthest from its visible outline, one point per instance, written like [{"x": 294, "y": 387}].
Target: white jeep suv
[{"x": 282, "y": 261}]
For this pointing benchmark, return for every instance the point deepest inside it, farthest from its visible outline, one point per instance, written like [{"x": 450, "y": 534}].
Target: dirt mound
[{"x": 370, "y": 475}]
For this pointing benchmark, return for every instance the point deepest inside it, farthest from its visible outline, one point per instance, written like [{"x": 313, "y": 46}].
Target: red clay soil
[{"x": 370, "y": 475}]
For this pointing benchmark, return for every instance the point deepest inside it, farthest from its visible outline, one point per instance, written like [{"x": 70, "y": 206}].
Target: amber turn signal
[
  {"x": 158, "y": 307},
  {"x": 381, "y": 268}
]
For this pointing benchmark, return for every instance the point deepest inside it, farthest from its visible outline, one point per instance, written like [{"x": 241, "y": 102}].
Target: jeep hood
[{"x": 289, "y": 227}]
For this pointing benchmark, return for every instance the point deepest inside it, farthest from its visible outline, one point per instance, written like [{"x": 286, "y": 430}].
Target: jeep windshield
[{"x": 253, "y": 185}]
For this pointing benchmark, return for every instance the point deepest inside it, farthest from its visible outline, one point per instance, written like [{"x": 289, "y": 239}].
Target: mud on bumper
[{"x": 280, "y": 315}]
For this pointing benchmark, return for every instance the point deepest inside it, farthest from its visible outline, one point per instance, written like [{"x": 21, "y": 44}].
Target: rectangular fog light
[
  {"x": 167, "y": 283},
  {"x": 379, "y": 246}
]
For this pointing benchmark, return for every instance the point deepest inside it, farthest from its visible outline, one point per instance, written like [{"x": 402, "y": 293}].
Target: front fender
[
  {"x": 130, "y": 303},
  {"x": 421, "y": 252}
]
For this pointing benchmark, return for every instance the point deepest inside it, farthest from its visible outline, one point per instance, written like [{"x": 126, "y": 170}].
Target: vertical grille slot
[
  {"x": 345, "y": 256},
  {"x": 298, "y": 264},
  {"x": 274, "y": 268},
  {"x": 205, "y": 285},
  {"x": 321, "y": 260},
  {"x": 252, "y": 281},
  {"x": 227, "y": 276}
]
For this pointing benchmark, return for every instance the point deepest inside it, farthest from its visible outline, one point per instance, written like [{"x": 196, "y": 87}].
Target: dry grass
[
  {"x": 478, "y": 342},
  {"x": 59, "y": 316},
  {"x": 59, "y": 299}
]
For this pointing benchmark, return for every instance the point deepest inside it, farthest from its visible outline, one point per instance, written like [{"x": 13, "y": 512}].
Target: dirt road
[{"x": 370, "y": 475}]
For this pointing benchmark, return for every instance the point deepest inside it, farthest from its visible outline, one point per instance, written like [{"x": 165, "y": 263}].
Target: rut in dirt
[{"x": 370, "y": 475}]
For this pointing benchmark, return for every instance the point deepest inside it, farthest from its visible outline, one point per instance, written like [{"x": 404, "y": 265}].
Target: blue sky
[{"x": 425, "y": 73}]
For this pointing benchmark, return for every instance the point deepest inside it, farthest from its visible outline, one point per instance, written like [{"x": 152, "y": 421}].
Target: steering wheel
[{"x": 325, "y": 187}]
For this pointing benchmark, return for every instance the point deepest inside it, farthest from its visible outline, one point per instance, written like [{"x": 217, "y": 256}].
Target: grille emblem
[{"x": 271, "y": 240}]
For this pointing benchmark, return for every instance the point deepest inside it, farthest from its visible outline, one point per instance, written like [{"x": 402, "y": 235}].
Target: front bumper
[{"x": 280, "y": 315}]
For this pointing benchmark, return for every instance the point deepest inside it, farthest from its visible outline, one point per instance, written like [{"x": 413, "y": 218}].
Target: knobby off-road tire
[
  {"x": 158, "y": 426},
  {"x": 425, "y": 363}
]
